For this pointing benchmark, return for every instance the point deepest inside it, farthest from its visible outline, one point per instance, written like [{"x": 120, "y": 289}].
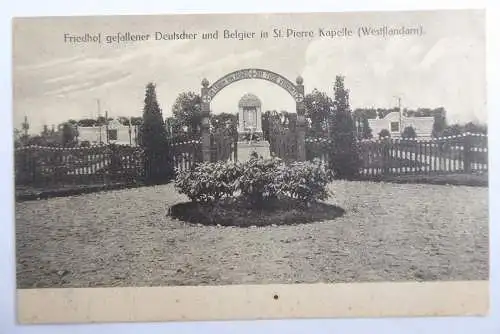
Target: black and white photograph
[{"x": 250, "y": 149}]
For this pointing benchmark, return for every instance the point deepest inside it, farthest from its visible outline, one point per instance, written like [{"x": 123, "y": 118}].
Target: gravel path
[{"x": 390, "y": 232}]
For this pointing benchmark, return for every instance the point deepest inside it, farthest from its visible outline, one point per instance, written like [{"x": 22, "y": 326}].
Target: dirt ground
[{"x": 390, "y": 232}]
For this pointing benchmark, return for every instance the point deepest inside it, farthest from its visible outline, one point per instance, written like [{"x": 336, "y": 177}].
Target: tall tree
[
  {"x": 45, "y": 131},
  {"x": 153, "y": 139},
  {"x": 224, "y": 122},
  {"x": 475, "y": 128},
  {"x": 384, "y": 133},
  {"x": 439, "y": 122},
  {"x": 187, "y": 111},
  {"x": 136, "y": 121},
  {"x": 409, "y": 133},
  {"x": 69, "y": 134},
  {"x": 366, "y": 131},
  {"x": 87, "y": 122},
  {"x": 319, "y": 107},
  {"x": 345, "y": 158},
  {"x": 267, "y": 119},
  {"x": 453, "y": 130}
]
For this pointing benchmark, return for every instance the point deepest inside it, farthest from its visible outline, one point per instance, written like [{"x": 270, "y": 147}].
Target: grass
[
  {"x": 29, "y": 193},
  {"x": 389, "y": 232},
  {"x": 457, "y": 179}
]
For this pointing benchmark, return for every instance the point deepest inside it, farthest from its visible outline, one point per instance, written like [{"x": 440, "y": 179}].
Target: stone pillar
[
  {"x": 301, "y": 120},
  {"x": 205, "y": 122},
  {"x": 259, "y": 120},
  {"x": 240, "y": 119}
]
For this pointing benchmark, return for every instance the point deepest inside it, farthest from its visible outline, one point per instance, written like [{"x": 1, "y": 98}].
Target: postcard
[{"x": 250, "y": 166}]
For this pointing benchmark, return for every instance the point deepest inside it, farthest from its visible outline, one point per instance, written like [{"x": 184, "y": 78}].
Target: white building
[
  {"x": 113, "y": 133},
  {"x": 396, "y": 124}
]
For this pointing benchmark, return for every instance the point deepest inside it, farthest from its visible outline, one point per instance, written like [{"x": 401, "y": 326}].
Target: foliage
[
  {"x": 248, "y": 136},
  {"x": 208, "y": 181},
  {"x": 45, "y": 131},
  {"x": 345, "y": 159},
  {"x": 136, "y": 120},
  {"x": 101, "y": 121},
  {"x": 364, "y": 130},
  {"x": 152, "y": 132},
  {"x": 266, "y": 116},
  {"x": 278, "y": 122},
  {"x": 225, "y": 123},
  {"x": 475, "y": 128},
  {"x": 256, "y": 180},
  {"x": 409, "y": 133},
  {"x": 439, "y": 125},
  {"x": 153, "y": 139},
  {"x": 69, "y": 134},
  {"x": 457, "y": 129},
  {"x": 273, "y": 121},
  {"x": 367, "y": 131},
  {"x": 372, "y": 113},
  {"x": 187, "y": 111},
  {"x": 85, "y": 143},
  {"x": 319, "y": 108},
  {"x": 87, "y": 122},
  {"x": 174, "y": 127},
  {"x": 384, "y": 133},
  {"x": 306, "y": 181}
]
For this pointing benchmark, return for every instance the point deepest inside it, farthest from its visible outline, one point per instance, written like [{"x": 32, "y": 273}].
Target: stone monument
[{"x": 250, "y": 135}]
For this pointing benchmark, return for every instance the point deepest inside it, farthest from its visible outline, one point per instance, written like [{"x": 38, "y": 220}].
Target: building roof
[{"x": 249, "y": 100}]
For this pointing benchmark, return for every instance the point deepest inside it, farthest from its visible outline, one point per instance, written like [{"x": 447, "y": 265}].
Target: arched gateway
[{"x": 296, "y": 91}]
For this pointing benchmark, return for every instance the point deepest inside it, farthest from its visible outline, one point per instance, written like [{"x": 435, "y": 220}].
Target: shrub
[
  {"x": 208, "y": 182},
  {"x": 345, "y": 158},
  {"x": 256, "y": 181},
  {"x": 306, "y": 181},
  {"x": 409, "y": 132},
  {"x": 384, "y": 133}
]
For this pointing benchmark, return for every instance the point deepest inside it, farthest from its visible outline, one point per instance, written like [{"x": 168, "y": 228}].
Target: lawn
[{"x": 389, "y": 232}]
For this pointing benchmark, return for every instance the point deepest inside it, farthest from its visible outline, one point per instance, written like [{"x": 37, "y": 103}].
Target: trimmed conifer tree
[
  {"x": 153, "y": 139},
  {"x": 345, "y": 158}
]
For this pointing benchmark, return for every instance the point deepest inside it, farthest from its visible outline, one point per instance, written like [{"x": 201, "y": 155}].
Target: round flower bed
[
  {"x": 255, "y": 193},
  {"x": 243, "y": 214}
]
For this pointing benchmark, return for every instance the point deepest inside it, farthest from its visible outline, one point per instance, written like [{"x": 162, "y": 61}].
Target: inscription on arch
[{"x": 253, "y": 73}]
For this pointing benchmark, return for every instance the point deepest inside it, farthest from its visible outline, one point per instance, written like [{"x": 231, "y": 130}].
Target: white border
[{"x": 490, "y": 324}]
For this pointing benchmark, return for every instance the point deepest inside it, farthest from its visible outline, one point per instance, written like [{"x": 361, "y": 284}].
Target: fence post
[
  {"x": 301, "y": 120},
  {"x": 205, "y": 122},
  {"x": 467, "y": 153},
  {"x": 385, "y": 156},
  {"x": 115, "y": 162}
]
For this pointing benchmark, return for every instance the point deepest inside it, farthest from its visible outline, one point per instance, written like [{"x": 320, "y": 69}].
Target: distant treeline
[
  {"x": 100, "y": 121},
  {"x": 372, "y": 113}
]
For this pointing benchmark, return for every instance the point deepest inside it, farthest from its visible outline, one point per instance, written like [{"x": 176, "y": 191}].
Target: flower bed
[
  {"x": 256, "y": 192},
  {"x": 243, "y": 214}
]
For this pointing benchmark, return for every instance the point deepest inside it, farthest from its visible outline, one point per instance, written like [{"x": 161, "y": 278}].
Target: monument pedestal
[{"x": 246, "y": 148}]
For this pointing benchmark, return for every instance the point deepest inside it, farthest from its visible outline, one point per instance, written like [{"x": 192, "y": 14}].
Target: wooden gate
[
  {"x": 223, "y": 147},
  {"x": 282, "y": 140},
  {"x": 186, "y": 152}
]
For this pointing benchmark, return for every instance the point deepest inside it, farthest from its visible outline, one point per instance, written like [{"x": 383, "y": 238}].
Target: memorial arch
[{"x": 296, "y": 91}]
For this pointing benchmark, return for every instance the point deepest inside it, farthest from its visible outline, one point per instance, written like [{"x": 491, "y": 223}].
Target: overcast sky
[{"x": 55, "y": 81}]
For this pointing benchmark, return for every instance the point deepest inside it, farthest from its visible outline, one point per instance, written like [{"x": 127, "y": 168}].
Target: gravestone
[{"x": 250, "y": 134}]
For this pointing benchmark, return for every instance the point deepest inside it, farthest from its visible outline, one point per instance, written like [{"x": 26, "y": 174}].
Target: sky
[{"x": 55, "y": 81}]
